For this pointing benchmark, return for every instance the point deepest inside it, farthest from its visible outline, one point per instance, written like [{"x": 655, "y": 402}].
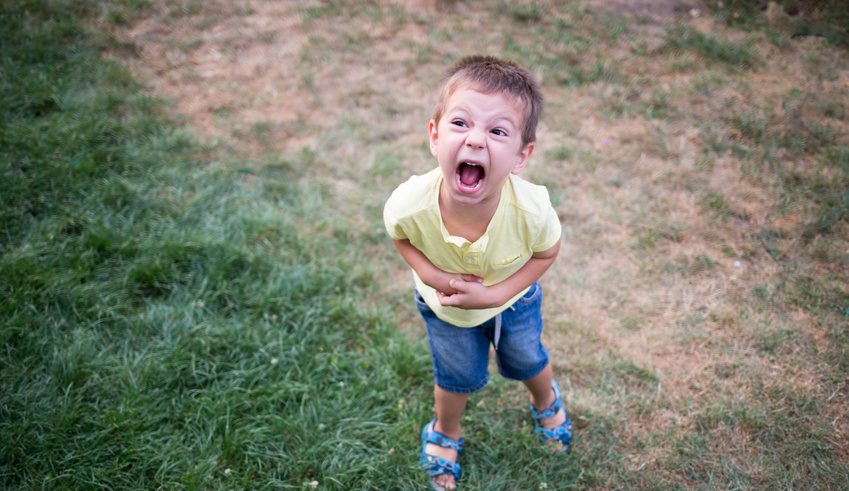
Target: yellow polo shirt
[{"x": 524, "y": 223}]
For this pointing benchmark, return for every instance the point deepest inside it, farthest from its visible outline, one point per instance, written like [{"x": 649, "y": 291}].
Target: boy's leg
[
  {"x": 460, "y": 356},
  {"x": 542, "y": 396},
  {"x": 521, "y": 353},
  {"x": 449, "y": 409}
]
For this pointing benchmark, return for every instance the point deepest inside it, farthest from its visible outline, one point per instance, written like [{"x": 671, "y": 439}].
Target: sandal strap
[
  {"x": 436, "y": 466},
  {"x": 555, "y": 407},
  {"x": 562, "y": 433},
  {"x": 444, "y": 441}
]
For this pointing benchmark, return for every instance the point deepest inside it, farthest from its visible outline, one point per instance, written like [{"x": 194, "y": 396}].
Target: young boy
[{"x": 478, "y": 238}]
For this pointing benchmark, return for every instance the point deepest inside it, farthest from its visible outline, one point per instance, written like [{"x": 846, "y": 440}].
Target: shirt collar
[{"x": 461, "y": 242}]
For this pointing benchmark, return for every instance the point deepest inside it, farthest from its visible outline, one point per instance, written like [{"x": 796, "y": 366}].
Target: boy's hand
[
  {"x": 429, "y": 274},
  {"x": 442, "y": 283},
  {"x": 469, "y": 295}
]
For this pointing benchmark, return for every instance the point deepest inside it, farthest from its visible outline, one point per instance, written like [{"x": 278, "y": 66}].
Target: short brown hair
[{"x": 492, "y": 75}]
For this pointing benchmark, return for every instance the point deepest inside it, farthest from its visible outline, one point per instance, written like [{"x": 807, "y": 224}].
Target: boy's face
[{"x": 478, "y": 143}]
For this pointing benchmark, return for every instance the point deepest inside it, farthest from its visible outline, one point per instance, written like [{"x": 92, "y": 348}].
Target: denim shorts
[{"x": 461, "y": 354}]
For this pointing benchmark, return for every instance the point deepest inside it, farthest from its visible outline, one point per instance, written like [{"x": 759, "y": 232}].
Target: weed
[
  {"x": 565, "y": 36},
  {"x": 555, "y": 192},
  {"x": 261, "y": 130},
  {"x": 633, "y": 323},
  {"x": 683, "y": 37},
  {"x": 705, "y": 162},
  {"x": 604, "y": 24},
  {"x": 651, "y": 104},
  {"x": 714, "y": 203},
  {"x": 657, "y": 106},
  {"x": 576, "y": 76},
  {"x": 699, "y": 264},
  {"x": 386, "y": 163},
  {"x": 833, "y": 208},
  {"x": 817, "y": 297},
  {"x": 657, "y": 232},
  {"x": 183, "y": 8},
  {"x": 561, "y": 153},
  {"x": 324, "y": 9},
  {"x": 525, "y": 13},
  {"x": 832, "y": 109},
  {"x": 750, "y": 125}
]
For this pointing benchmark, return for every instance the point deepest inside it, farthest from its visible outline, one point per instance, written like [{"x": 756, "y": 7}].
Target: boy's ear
[
  {"x": 523, "y": 157},
  {"x": 432, "y": 136}
]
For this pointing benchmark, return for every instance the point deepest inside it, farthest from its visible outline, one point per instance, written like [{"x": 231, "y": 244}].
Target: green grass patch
[
  {"x": 642, "y": 101},
  {"x": 715, "y": 204},
  {"x": 781, "y": 420},
  {"x": 658, "y": 232},
  {"x": 525, "y": 13},
  {"x": 576, "y": 75},
  {"x": 828, "y": 19},
  {"x": 168, "y": 323},
  {"x": 767, "y": 141},
  {"x": 561, "y": 153},
  {"x": 831, "y": 195},
  {"x": 686, "y": 38}
]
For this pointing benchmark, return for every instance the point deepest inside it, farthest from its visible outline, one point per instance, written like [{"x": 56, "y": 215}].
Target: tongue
[{"x": 470, "y": 174}]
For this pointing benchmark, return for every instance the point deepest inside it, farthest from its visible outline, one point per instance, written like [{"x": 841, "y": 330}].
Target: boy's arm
[
  {"x": 430, "y": 274},
  {"x": 474, "y": 295}
]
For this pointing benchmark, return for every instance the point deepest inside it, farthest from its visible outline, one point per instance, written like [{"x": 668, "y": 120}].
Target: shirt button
[{"x": 469, "y": 260}]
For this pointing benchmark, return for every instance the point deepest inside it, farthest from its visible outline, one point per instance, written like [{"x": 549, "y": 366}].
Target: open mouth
[{"x": 470, "y": 176}]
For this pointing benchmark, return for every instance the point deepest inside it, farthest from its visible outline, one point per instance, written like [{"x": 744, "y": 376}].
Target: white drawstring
[{"x": 498, "y": 328}]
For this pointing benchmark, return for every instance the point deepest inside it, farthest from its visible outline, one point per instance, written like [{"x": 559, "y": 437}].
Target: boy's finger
[
  {"x": 471, "y": 277},
  {"x": 455, "y": 300},
  {"x": 461, "y": 286}
]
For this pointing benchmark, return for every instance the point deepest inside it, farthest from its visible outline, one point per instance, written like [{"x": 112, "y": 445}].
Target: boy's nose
[{"x": 475, "y": 139}]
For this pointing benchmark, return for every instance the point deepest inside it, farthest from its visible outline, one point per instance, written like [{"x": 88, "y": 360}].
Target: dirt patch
[{"x": 665, "y": 10}]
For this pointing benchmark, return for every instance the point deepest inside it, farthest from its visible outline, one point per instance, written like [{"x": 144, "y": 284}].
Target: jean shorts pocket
[
  {"x": 420, "y": 303},
  {"x": 533, "y": 293}
]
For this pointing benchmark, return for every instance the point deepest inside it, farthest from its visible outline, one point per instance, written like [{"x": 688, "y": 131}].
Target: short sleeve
[
  {"x": 391, "y": 218},
  {"x": 549, "y": 231}
]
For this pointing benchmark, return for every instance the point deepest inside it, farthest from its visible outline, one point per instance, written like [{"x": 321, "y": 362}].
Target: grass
[
  {"x": 826, "y": 19},
  {"x": 686, "y": 38},
  {"x": 165, "y": 325},
  {"x": 180, "y": 315},
  {"x": 766, "y": 135},
  {"x": 525, "y": 13}
]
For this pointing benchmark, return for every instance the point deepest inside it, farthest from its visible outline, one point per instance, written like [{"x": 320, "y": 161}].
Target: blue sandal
[
  {"x": 437, "y": 466},
  {"x": 561, "y": 434}
]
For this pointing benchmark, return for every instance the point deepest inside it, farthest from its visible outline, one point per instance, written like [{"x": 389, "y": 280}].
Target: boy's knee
[{"x": 461, "y": 386}]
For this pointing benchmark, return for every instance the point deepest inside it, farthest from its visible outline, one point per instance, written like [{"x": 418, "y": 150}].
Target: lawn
[{"x": 197, "y": 290}]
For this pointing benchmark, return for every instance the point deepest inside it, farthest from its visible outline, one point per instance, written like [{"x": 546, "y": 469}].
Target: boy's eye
[
  {"x": 499, "y": 132},
  {"x": 458, "y": 122}
]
